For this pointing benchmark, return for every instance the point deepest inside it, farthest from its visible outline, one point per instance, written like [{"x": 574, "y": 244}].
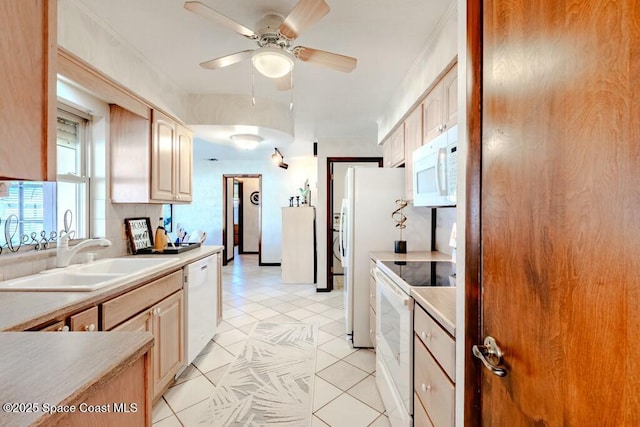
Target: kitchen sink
[
  {"x": 60, "y": 281},
  {"x": 85, "y": 277}
]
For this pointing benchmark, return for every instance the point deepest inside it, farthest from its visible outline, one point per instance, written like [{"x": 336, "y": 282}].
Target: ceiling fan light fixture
[
  {"x": 246, "y": 141},
  {"x": 273, "y": 62}
]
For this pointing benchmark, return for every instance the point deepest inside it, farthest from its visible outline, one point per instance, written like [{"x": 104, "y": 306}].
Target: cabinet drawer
[
  {"x": 372, "y": 293},
  {"x": 57, "y": 326},
  {"x": 125, "y": 306},
  {"x": 85, "y": 321},
  {"x": 420, "y": 417},
  {"x": 433, "y": 388},
  {"x": 439, "y": 342},
  {"x": 372, "y": 327}
]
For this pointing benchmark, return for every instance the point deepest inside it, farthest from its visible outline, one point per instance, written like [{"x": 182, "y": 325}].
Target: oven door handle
[{"x": 388, "y": 285}]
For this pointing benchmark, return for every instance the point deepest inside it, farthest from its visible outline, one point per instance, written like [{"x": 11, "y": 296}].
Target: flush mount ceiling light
[
  {"x": 278, "y": 159},
  {"x": 246, "y": 141},
  {"x": 272, "y": 62}
]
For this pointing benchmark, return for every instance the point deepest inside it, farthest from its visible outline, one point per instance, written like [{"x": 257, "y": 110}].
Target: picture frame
[{"x": 139, "y": 233}]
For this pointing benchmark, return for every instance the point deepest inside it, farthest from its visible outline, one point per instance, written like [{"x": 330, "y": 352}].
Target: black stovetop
[{"x": 424, "y": 273}]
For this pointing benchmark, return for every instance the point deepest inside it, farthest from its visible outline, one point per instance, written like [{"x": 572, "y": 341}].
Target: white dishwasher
[{"x": 201, "y": 298}]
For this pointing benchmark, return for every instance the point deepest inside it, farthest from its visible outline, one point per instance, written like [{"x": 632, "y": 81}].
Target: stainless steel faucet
[{"x": 64, "y": 253}]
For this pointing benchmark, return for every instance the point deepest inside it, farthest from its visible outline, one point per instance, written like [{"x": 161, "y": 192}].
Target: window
[
  {"x": 40, "y": 206},
  {"x": 73, "y": 180}
]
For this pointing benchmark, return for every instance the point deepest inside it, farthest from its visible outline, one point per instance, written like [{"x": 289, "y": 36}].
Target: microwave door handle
[{"x": 441, "y": 156}]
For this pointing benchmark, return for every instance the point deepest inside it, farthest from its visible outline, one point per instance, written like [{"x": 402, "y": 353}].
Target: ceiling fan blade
[
  {"x": 225, "y": 61},
  {"x": 206, "y": 12},
  {"x": 303, "y": 15},
  {"x": 285, "y": 82},
  {"x": 346, "y": 64}
]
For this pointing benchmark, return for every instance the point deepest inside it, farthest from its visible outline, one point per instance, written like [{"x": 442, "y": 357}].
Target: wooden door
[
  {"x": 162, "y": 157},
  {"x": 184, "y": 161},
  {"x": 560, "y": 196}
]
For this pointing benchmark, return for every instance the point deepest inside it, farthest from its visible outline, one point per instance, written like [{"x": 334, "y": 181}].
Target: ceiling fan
[{"x": 275, "y": 54}]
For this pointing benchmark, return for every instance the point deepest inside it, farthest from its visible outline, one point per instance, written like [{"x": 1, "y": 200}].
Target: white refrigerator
[{"x": 365, "y": 226}]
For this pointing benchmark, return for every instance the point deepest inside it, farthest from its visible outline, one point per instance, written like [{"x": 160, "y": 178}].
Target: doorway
[
  {"x": 242, "y": 215},
  {"x": 336, "y": 171}
]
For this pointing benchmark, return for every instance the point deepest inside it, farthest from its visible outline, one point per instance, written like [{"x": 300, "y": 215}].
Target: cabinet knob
[
  {"x": 425, "y": 335},
  {"x": 63, "y": 329},
  {"x": 158, "y": 311},
  {"x": 425, "y": 388},
  {"x": 90, "y": 328}
]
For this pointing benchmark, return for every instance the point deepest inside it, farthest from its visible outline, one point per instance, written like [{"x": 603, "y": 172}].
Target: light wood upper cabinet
[
  {"x": 450, "y": 97},
  {"x": 393, "y": 148},
  {"x": 163, "y": 136},
  {"x": 184, "y": 175},
  {"x": 150, "y": 162},
  {"x": 441, "y": 106},
  {"x": 28, "y": 89},
  {"x": 412, "y": 140}
]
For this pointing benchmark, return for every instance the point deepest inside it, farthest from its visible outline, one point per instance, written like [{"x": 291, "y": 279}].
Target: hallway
[{"x": 345, "y": 393}]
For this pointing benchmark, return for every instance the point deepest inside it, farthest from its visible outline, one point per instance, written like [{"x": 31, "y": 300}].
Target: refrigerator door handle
[{"x": 341, "y": 233}]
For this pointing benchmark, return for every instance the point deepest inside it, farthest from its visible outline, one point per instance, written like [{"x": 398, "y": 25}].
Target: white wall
[
  {"x": 250, "y": 216},
  {"x": 80, "y": 32},
  {"x": 205, "y": 212}
]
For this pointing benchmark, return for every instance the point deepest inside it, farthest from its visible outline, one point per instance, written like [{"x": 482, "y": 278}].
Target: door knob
[{"x": 490, "y": 355}]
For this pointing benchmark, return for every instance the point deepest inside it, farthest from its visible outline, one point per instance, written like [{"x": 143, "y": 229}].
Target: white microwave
[{"x": 434, "y": 171}]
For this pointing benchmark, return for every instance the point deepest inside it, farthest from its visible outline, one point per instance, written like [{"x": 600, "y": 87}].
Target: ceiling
[{"x": 384, "y": 35}]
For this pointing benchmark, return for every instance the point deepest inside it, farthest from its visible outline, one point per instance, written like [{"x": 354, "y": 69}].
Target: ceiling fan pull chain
[
  {"x": 253, "y": 88},
  {"x": 291, "y": 90}
]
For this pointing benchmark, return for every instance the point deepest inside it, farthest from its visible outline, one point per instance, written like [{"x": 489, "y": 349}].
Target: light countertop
[
  {"x": 61, "y": 368},
  {"x": 439, "y": 302},
  {"x": 20, "y": 311}
]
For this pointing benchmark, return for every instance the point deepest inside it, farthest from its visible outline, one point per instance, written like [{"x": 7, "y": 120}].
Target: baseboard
[{"x": 269, "y": 264}]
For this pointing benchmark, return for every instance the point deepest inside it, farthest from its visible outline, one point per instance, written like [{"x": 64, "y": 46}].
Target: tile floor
[{"x": 345, "y": 393}]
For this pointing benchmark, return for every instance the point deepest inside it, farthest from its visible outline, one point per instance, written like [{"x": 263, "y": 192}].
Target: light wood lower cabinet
[
  {"x": 165, "y": 321},
  {"x": 127, "y": 396},
  {"x": 433, "y": 373}
]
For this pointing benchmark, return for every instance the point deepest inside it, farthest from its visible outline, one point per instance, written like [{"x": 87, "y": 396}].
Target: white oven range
[{"x": 394, "y": 330}]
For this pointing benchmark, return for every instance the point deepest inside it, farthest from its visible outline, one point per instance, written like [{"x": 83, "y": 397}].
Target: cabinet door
[
  {"x": 386, "y": 152},
  {"x": 433, "y": 113},
  {"x": 28, "y": 89},
  {"x": 162, "y": 158},
  {"x": 412, "y": 141},
  {"x": 184, "y": 152},
  {"x": 450, "y": 98},
  {"x": 168, "y": 329},
  {"x": 397, "y": 147}
]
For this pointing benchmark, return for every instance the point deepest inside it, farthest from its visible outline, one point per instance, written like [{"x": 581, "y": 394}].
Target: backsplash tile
[{"x": 108, "y": 224}]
